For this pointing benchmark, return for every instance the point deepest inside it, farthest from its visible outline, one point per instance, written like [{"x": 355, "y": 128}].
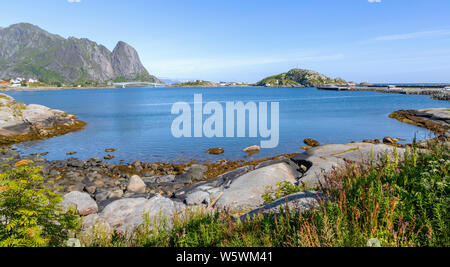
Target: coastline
[{"x": 48, "y": 88}]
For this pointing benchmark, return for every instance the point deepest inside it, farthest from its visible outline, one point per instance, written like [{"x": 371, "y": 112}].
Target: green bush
[
  {"x": 30, "y": 214},
  {"x": 282, "y": 189}
]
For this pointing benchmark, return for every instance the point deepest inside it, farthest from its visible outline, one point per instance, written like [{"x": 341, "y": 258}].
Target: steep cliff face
[
  {"x": 30, "y": 52},
  {"x": 125, "y": 60}
]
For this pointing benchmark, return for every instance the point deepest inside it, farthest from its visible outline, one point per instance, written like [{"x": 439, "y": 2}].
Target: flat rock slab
[
  {"x": 434, "y": 119},
  {"x": 29, "y": 122},
  {"x": 217, "y": 183},
  {"x": 245, "y": 192},
  {"x": 439, "y": 113},
  {"x": 325, "y": 159},
  {"x": 127, "y": 214}
]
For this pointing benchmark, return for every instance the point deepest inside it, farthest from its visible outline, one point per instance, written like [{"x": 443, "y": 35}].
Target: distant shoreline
[{"x": 48, "y": 88}]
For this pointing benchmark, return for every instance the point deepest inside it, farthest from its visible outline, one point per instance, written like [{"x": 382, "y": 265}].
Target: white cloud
[
  {"x": 374, "y": 1},
  {"x": 74, "y": 1},
  {"x": 413, "y": 35}
]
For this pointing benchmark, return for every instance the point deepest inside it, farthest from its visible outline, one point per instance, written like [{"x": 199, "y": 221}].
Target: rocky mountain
[
  {"x": 31, "y": 52},
  {"x": 299, "y": 78}
]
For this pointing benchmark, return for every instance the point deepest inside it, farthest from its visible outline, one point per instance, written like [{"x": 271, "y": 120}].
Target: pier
[{"x": 435, "y": 90}]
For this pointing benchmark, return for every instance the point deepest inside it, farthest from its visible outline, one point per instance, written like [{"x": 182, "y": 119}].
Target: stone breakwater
[
  {"x": 435, "y": 93},
  {"x": 20, "y": 122}
]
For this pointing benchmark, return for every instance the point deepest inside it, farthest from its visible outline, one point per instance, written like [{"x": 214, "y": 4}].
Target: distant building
[
  {"x": 17, "y": 82},
  {"x": 4, "y": 82}
]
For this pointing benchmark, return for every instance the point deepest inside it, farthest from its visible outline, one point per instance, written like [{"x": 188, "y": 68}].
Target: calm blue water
[{"x": 137, "y": 121}]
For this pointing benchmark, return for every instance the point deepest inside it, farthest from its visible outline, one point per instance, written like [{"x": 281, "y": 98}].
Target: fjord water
[{"x": 137, "y": 121}]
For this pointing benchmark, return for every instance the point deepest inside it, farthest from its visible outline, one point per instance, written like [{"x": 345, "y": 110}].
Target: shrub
[
  {"x": 30, "y": 214},
  {"x": 399, "y": 203},
  {"x": 282, "y": 189}
]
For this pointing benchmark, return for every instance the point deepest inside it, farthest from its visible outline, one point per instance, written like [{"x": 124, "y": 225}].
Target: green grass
[{"x": 395, "y": 203}]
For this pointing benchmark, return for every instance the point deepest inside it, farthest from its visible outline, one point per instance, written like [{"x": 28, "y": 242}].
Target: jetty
[{"x": 435, "y": 90}]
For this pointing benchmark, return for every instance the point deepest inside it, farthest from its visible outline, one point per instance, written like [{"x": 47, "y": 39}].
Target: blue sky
[{"x": 246, "y": 40}]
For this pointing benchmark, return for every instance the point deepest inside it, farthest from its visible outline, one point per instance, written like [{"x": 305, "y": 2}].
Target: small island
[
  {"x": 299, "y": 78},
  {"x": 196, "y": 83}
]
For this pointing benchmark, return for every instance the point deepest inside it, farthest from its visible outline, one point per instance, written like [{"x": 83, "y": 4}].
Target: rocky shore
[
  {"x": 436, "y": 120},
  {"x": 20, "y": 122},
  {"x": 117, "y": 196}
]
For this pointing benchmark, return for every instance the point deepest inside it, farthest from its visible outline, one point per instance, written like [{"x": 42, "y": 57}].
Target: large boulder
[
  {"x": 295, "y": 203},
  {"x": 82, "y": 201},
  {"x": 136, "y": 185},
  {"x": 128, "y": 214},
  {"x": 244, "y": 193}
]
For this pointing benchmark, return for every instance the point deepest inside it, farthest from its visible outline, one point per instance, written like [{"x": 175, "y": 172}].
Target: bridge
[{"x": 137, "y": 84}]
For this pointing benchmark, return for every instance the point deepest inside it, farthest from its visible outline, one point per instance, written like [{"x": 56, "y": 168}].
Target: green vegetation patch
[{"x": 30, "y": 214}]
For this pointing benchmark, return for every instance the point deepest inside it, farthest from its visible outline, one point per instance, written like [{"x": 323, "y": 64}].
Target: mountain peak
[
  {"x": 126, "y": 61},
  {"x": 122, "y": 43},
  {"x": 25, "y": 26},
  {"x": 31, "y": 52}
]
